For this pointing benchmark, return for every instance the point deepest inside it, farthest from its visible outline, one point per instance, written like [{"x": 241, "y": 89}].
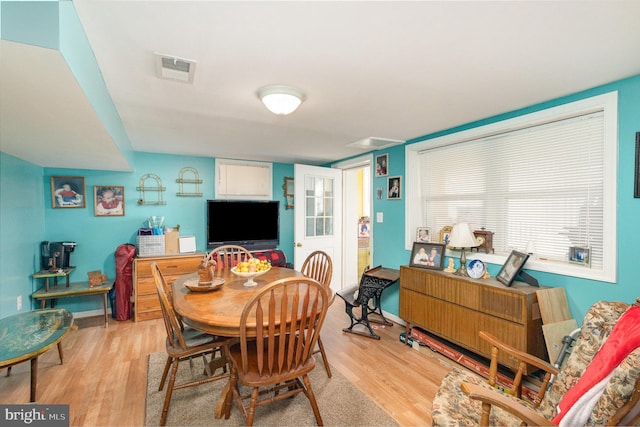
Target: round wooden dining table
[{"x": 217, "y": 312}]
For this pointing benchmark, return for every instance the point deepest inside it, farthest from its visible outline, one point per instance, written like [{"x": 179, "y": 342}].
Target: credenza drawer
[
  {"x": 476, "y": 294},
  {"x": 171, "y": 266},
  {"x": 146, "y": 303},
  {"x": 146, "y": 286},
  {"x": 148, "y": 315}
]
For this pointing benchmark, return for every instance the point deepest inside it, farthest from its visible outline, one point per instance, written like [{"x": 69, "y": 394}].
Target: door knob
[{"x": 299, "y": 245}]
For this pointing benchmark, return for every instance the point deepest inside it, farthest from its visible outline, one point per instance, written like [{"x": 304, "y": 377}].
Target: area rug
[{"x": 340, "y": 402}]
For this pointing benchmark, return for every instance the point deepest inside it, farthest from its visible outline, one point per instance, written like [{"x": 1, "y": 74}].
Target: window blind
[{"x": 541, "y": 184}]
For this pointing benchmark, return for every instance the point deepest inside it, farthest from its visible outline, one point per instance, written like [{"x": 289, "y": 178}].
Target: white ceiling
[{"x": 395, "y": 70}]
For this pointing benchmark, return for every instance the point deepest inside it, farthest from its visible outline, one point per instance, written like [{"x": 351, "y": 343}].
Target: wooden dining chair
[
  {"x": 185, "y": 343},
  {"x": 318, "y": 266},
  {"x": 228, "y": 256},
  {"x": 279, "y": 328}
]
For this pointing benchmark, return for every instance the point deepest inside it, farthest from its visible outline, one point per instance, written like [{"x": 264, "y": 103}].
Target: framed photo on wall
[
  {"x": 427, "y": 255},
  {"x": 382, "y": 165},
  {"x": 394, "y": 187},
  {"x": 512, "y": 267},
  {"x": 108, "y": 200},
  {"x": 67, "y": 192}
]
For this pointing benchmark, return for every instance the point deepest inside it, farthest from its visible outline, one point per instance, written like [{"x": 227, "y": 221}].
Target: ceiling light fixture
[{"x": 279, "y": 99}]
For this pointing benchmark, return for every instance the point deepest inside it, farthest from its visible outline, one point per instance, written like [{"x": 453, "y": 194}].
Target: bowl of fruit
[{"x": 250, "y": 269}]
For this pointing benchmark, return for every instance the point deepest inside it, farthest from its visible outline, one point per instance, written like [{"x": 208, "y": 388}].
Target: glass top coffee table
[{"x": 25, "y": 336}]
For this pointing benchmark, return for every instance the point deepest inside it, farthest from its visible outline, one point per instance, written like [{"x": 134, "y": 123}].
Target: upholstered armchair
[{"x": 597, "y": 385}]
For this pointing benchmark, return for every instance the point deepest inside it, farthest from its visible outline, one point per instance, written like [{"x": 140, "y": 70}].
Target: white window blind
[{"x": 541, "y": 184}]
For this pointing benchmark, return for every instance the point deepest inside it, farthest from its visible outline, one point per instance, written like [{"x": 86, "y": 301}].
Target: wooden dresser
[
  {"x": 145, "y": 297},
  {"x": 457, "y": 308}
]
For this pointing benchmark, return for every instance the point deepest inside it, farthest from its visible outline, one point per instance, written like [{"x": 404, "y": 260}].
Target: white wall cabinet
[{"x": 243, "y": 180}]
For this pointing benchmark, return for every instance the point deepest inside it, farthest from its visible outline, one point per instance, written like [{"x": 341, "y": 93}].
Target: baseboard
[
  {"x": 89, "y": 313},
  {"x": 394, "y": 318}
]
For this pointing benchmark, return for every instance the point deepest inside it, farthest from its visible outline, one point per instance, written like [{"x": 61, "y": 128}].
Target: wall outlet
[{"x": 19, "y": 302}]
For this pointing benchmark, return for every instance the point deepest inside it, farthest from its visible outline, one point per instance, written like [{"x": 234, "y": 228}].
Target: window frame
[{"x": 608, "y": 103}]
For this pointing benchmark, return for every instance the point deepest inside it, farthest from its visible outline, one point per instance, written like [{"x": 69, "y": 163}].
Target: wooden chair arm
[
  {"x": 525, "y": 357},
  {"x": 491, "y": 398}
]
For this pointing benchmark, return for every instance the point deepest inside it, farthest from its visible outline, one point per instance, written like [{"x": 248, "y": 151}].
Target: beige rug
[{"x": 340, "y": 402}]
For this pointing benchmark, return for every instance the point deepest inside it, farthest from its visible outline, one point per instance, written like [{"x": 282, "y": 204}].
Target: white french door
[{"x": 318, "y": 216}]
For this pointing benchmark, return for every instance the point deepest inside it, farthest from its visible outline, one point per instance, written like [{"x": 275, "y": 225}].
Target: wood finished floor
[{"x": 103, "y": 377}]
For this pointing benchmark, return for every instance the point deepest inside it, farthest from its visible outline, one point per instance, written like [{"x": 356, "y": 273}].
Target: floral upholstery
[
  {"x": 451, "y": 407},
  {"x": 596, "y": 327}
]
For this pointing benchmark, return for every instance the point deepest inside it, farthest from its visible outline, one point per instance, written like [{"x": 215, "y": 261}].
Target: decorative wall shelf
[
  {"x": 157, "y": 189},
  {"x": 195, "y": 181}
]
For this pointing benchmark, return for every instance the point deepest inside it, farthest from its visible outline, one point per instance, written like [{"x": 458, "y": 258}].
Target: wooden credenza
[
  {"x": 457, "y": 308},
  {"x": 145, "y": 297}
]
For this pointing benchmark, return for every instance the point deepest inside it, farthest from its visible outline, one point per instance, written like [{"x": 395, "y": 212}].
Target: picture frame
[
  {"x": 382, "y": 165},
  {"x": 580, "y": 255},
  {"x": 636, "y": 185},
  {"x": 108, "y": 200},
  {"x": 422, "y": 235},
  {"x": 511, "y": 268},
  {"x": 288, "y": 188},
  {"x": 394, "y": 188},
  {"x": 427, "y": 255},
  {"x": 445, "y": 234},
  {"x": 67, "y": 192},
  {"x": 363, "y": 227}
]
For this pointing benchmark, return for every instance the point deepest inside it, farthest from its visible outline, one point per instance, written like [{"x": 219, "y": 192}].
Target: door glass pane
[
  {"x": 319, "y": 205},
  {"x": 328, "y": 226}
]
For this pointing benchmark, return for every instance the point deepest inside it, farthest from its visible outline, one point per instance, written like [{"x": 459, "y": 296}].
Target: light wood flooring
[{"x": 103, "y": 377}]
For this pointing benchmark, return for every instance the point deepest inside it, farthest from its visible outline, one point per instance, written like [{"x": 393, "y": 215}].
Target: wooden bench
[
  {"x": 74, "y": 290},
  {"x": 372, "y": 284}
]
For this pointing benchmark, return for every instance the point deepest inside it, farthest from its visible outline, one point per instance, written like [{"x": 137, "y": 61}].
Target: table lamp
[{"x": 462, "y": 237}]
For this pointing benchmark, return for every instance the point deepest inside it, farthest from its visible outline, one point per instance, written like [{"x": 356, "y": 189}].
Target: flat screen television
[{"x": 254, "y": 224}]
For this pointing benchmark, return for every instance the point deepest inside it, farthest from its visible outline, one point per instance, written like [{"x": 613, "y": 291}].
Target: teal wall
[
  {"x": 581, "y": 293},
  {"x": 21, "y": 226},
  {"x": 27, "y": 218}
]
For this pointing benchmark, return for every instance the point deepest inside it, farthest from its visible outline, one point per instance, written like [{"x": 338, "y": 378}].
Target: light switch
[{"x": 379, "y": 217}]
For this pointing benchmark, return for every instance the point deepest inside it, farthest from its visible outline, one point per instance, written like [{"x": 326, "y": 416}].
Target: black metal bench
[{"x": 372, "y": 283}]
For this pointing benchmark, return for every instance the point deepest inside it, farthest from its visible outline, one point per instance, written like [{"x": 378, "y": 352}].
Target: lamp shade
[
  {"x": 462, "y": 236},
  {"x": 279, "y": 99}
]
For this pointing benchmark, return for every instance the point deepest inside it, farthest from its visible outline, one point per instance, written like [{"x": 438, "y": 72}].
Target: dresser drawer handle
[{"x": 171, "y": 266}]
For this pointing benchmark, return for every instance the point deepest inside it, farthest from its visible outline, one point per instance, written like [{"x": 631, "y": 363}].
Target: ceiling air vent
[
  {"x": 372, "y": 143},
  {"x": 174, "y": 68}
]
